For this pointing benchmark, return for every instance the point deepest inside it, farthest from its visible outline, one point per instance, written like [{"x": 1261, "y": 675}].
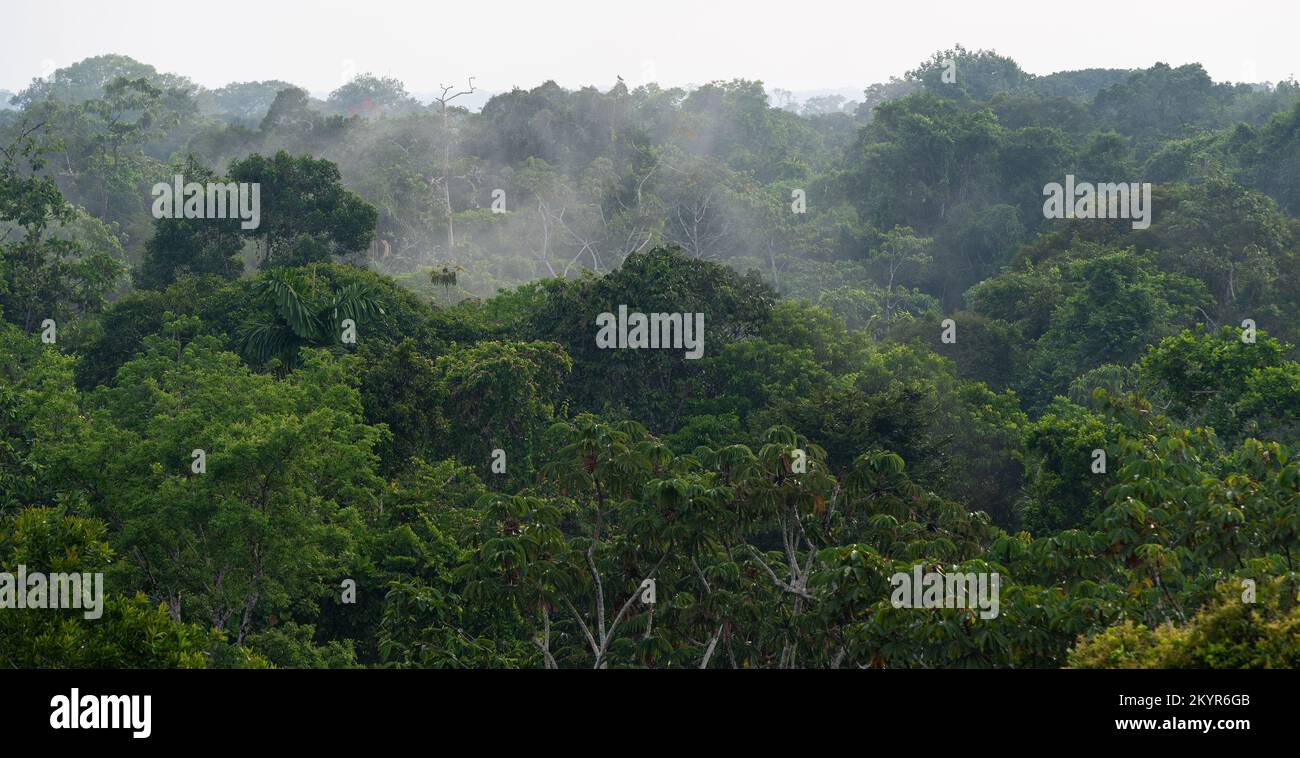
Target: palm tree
[
  {"x": 445, "y": 276},
  {"x": 291, "y": 320}
]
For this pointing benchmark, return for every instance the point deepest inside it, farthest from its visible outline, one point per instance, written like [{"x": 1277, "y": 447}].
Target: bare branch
[
  {"x": 595, "y": 649},
  {"x": 708, "y": 653},
  {"x": 787, "y": 587}
]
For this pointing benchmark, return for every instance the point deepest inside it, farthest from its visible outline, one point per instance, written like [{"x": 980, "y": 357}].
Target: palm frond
[
  {"x": 277, "y": 286},
  {"x": 262, "y": 341},
  {"x": 356, "y": 301}
]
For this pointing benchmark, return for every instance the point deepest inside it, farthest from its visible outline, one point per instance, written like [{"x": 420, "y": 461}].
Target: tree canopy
[{"x": 381, "y": 427}]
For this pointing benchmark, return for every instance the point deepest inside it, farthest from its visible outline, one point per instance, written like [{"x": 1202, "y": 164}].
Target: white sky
[{"x": 793, "y": 44}]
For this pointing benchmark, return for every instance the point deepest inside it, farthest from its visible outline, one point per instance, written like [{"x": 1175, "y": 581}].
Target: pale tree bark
[
  {"x": 713, "y": 643},
  {"x": 796, "y": 581},
  {"x": 449, "y": 94},
  {"x": 544, "y": 642},
  {"x": 599, "y": 641}
]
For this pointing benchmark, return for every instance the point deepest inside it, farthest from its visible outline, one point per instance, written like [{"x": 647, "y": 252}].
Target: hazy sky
[{"x": 794, "y": 44}]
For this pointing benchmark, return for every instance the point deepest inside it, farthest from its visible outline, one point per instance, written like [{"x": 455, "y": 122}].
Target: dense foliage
[{"x": 473, "y": 482}]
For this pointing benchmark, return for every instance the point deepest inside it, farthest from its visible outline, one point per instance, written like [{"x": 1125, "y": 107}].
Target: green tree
[
  {"x": 254, "y": 526},
  {"x": 181, "y": 246},
  {"x": 292, "y": 319},
  {"x": 307, "y": 214},
  {"x": 44, "y": 275},
  {"x": 130, "y": 633}
]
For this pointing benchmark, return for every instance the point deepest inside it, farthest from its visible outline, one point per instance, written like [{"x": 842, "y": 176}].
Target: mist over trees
[{"x": 500, "y": 491}]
